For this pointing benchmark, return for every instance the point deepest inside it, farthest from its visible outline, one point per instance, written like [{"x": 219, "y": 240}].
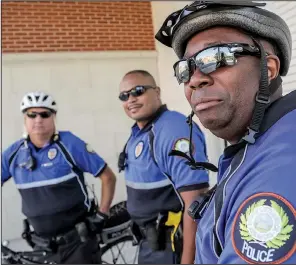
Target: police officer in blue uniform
[
  {"x": 47, "y": 167},
  {"x": 160, "y": 186},
  {"x": 232, "y": 55}
]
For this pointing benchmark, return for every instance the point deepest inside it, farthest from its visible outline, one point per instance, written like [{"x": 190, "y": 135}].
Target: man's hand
[
  {"x": 97, "y": 222},
  {"x": 108, "y": 187},
  {"x": 189, "y": 227}
]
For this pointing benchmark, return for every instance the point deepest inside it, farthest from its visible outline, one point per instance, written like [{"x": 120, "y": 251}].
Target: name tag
[{"x": 47, "y": 164}]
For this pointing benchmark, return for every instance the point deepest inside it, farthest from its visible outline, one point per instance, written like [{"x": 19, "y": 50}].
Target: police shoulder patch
[
  {"x": 89, "y": 149},
  {"x": 264, "y": 229},
  {"x": 183, "y": 145}
]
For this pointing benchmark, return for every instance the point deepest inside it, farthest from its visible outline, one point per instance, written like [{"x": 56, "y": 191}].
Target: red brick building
[{"x": 50, "y": 26}]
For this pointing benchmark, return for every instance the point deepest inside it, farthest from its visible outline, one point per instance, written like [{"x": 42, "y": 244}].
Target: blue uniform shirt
[
  {"x": 52, "y": 192},
  {"x": 152, "y": 185},
  {"x": 257, "y": 222}
]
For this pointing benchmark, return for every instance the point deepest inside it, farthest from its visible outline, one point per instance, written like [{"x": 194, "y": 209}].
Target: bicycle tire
[
  {"x": 16, "y": 257},
  {"x": 110, "y": 245},
  {"x": 104, "y": 249}
]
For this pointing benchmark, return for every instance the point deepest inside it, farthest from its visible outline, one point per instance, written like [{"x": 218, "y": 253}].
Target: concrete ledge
[{"x": 62, "y": 56}]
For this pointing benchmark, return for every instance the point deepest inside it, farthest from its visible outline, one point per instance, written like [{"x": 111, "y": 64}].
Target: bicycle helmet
[
  {"x": 183, "y": 24},
  {"x": 38, "y": 100}
]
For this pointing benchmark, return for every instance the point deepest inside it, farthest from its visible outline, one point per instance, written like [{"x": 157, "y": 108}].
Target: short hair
[{"x": 141, "y": 72}]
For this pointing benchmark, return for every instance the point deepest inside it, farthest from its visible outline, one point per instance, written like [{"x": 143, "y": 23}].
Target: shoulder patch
[
  {"x": 183, "y": 144},
  {"x": 89, "y": 149},
  {"x": 264, "y": 229},
  {"x": 139, "y": 149}
]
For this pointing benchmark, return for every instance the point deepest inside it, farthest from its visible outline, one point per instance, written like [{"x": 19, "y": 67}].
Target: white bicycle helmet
[{"x": 38, "y": 100}]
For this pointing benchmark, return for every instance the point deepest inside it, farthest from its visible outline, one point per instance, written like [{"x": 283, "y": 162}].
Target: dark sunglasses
[
  {"x": 135, "y": 92},
  {"x": 43, "y": 114},
  {"x": 212, "y": 58}
]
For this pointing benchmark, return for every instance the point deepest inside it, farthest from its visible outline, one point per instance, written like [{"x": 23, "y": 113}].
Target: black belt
[
  {"x": 68, "y": 237},
  {"x": 168, "y": 231},
  {"x": 58, "y": 240}
]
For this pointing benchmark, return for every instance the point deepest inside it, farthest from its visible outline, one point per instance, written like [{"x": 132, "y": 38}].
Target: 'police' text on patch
[{"x": 264, "y": 229}]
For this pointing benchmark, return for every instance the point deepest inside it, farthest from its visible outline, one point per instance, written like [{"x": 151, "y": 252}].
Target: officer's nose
[
  {"x": 132, "y": 99},
  {"x": 200, "y": 80},
  {"x": 38, "y": 119}
]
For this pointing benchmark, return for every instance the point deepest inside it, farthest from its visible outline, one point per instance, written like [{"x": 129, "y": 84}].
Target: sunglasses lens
[
  {"x": 138, "y": 91},
  {"x": 135, "y": 92},
  {"x": 45, "y": 115},
  {"x": 207, "y": 61},
  {"x": 123, "y": 96},
  {"x": 182, "y": 71},
  {"x": 213, "y": 58},
  {"x": 32, "y": 115}
]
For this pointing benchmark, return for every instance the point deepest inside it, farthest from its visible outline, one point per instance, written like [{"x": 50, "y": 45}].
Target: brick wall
[{"x": 76, "y": 26}]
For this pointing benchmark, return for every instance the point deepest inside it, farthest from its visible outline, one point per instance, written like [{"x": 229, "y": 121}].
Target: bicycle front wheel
[{"x": 121, "y": 251}]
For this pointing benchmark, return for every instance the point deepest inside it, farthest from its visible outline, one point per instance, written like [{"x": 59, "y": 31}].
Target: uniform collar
[
  {"x": 274, "y": 112},
  {"x": 163, "y": 108},
  {"x": 53, "y": 139}
]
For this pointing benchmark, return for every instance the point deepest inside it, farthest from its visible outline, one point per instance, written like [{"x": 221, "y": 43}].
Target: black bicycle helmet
[{"x": 181, "y": 25}]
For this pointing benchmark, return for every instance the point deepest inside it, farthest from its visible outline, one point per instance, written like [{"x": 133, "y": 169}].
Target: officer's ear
[
  {"x": 273, "y": 66},
  {"x": 273, "y": 61},
  {"x": 157, "y": 89}
]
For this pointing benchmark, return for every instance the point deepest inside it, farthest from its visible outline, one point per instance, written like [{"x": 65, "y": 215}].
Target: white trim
[
  {"x": 164, "y": 173},
  {"x": 148, "y": 185},
  {"x": 64, "y": 155},
  {"x": 228, "y": 170},
  {"x": 224, "y": 194},
  {"x": 45, "y": 182},
  {"x": 86, "y": 199},
  {"x": 100, "y": 169},
  {"x": 84, "y": 191},
  {"x": 67, "y": 152},
  {"x": 58, "y": 56}
]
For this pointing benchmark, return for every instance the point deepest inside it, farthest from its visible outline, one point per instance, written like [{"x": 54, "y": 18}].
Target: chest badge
[
  {"x": 52, "y": 153},
  {"x": 139, "y": 149}
]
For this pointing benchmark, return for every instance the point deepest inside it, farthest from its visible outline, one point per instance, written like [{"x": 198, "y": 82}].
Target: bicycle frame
[{"x": 120, "y": 229}]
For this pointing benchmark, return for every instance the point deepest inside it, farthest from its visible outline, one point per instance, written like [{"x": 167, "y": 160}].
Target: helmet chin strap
[
  {"x": 262, "y": 102},
  {"x": 194, "y": 165},
  {"x": 262, "y": 99}
]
